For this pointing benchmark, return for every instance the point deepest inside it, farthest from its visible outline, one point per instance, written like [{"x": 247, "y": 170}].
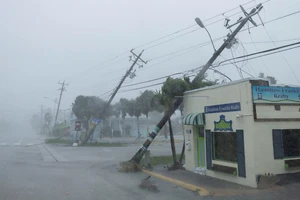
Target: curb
[
  {"x": 194, "y": 188},
  {"x": 176, "y": 141}
]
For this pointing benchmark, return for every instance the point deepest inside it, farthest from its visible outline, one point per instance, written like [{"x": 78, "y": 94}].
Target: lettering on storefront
[
  {"x": 272, "y": 94},
  {"x": 229, "y": 107}
]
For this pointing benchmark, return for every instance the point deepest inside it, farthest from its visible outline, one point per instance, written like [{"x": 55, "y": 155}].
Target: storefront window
[
  {"x": 291, "y": 143},
  {"x": 225, "y": 146}
]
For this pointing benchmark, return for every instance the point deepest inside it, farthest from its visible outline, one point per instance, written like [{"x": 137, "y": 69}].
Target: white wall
[
  {"x": 264, "y": 154},
  {"x": 190, "y": 155},
  {"x": 259, "y": 155},
  {"x": 240, "y": 92},
  {"x": 285, "y": 112}
]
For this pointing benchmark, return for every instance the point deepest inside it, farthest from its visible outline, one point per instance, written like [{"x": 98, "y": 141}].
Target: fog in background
[{"x": 43, "y": 42}]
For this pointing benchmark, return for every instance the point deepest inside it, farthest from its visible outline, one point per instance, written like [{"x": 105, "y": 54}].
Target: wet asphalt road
[{"x": 46, "y": 172}]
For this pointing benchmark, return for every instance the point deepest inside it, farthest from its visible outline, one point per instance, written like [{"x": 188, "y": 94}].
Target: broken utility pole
[
  {"x": 128, "y": 73},
  {"x": 230, "y": 37},
  {"x": 62, "y": 89}
]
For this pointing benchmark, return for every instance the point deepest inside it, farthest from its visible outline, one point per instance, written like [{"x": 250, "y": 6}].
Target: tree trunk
[
  {"x": 138, "y": 127},
  {"x": 165, "y": 132},
  {"x": 172, "y": 142},
  {"x": 183, "y": 146},
  {"x": 147, "y": 124}
]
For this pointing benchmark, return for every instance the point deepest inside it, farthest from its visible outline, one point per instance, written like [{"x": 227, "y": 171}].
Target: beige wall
[
  {"x": 285, "y": 112},
  {"x": 259, "y": 155},
  {"x": 190, "y": 154},
  {"x": 240, "y": 92},
  {"x": 264, "y": 154}
]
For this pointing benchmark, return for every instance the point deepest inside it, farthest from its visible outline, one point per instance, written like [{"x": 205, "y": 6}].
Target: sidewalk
[{"x": 215, "y": 187}]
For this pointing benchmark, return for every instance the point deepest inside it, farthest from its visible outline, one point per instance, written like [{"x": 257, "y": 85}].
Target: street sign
[
  {"x": 77, "y": 125},
  {"x": 96, "y": 120}
]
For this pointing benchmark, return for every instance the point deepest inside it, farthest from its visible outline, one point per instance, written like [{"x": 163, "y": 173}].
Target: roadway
[{"x": 35, "y": 171}]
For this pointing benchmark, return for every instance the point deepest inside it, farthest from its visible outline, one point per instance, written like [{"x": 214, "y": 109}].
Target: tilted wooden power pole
[
  {"x": 228, "y": 42},
  {"x": 128, "y": 73}
]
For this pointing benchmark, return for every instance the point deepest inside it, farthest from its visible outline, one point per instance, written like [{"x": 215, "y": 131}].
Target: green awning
[{"x": 194, "y": 119}]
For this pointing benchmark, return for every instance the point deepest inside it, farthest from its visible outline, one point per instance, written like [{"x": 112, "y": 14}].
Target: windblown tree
[
  {"x": 134, "y": 109},
  {"x": 124, "y": 106},
  {"x": 145, "y": 99},
  {"x": 48, "y": 118},
  {"x": 86, "y": 107},
  {"x": 48, "y": 122},
  {"x": 117, "y": 112},
  {"x": 171, "y": 89}
]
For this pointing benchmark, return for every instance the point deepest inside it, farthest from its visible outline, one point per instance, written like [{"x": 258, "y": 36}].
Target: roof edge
[{"x": 226, "y": 84}]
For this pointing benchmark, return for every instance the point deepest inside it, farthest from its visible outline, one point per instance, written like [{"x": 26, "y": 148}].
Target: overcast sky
[{"x": 43, "y": 42}]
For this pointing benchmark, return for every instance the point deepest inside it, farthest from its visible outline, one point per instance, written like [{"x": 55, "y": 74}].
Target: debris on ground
[
  {"x": 176, "y": 166},
  {"x": 128, "y": 167},
  {"x": 286, "y": 179},
  {"x": 148, "y": 185},
  {"x": 267, "y": 181}
]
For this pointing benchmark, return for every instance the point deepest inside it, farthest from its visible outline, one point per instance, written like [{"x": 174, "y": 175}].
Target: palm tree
[
  {"x": 146, "y": 106},
  {"x": 162, "y": 102}
]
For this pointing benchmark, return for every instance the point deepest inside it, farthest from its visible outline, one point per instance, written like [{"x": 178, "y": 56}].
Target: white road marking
[
  {"x": 19, "y": 143},
  {"x": 21, "y": 140},
  {"x": 107, "y": 150},
  {"x": 3, "y": 144},
  {"x": 30, "y": 144}
]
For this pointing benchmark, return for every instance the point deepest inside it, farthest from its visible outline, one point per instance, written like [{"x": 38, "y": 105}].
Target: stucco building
[{"x": 243, "y": 129}]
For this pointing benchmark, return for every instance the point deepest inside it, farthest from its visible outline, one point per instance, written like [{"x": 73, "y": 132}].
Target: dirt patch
[{"x": 128, "y": 167}]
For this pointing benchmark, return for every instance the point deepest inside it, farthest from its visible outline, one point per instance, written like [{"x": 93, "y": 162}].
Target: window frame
[
  {"x": 214, "y": 148},
  {"x": 283, "y": 131}
]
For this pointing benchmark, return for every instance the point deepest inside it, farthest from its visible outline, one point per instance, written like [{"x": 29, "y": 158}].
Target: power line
[
  {"x": 292, "y": 46},
  {"x": 234, "y": 14},
  {"x": 208, "y": 42},
  {"x": 163, "y": 42},
  {"x": 166, "y": 36},
  {"x": 282, "y": 17},
  {"x": 273, "y": 20},
  {"x": 266, "y": 66},
  {"x": 267, "y": 42},
  {"x": 173, "y": 34},
  {"x": 180, "y": 50},
  {"x": 270, "y": 21},
  {"x": 284, "y": 58},
  {"x": 191, "y": 26},
  {"x": 270, "y": 50},
  {"x": 176, "y": 32},
  {"x": 221, "y": 64},
  {"x": 151, "y": 80},
  {"x": 105, "y": 64},
  {"x": 141, "y": 87},
  {"x": 176, "y": 56}
]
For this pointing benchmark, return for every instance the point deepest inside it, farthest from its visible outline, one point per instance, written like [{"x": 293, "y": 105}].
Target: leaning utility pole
[
  {"x": 62, "y": 89},
  {"x": 128, "y": 73},
  {"x": 227, "y": 44}
]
